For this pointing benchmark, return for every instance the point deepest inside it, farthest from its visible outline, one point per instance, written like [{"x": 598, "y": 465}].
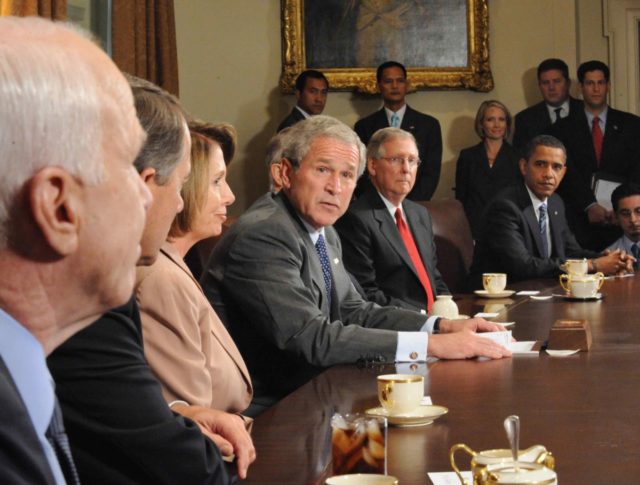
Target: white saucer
[
  {"x": 421, "y": 416},
  {"x": 362, "y": 479},
  {"x": 499, "y": 294},
  {"x": 597, "y": 296}
]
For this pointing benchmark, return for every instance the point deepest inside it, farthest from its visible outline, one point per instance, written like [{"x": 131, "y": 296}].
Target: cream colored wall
[{"x": 230, "y": 60}]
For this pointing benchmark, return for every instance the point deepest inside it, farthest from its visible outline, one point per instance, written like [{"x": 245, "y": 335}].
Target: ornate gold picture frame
[{"x": 443, "y": 43}]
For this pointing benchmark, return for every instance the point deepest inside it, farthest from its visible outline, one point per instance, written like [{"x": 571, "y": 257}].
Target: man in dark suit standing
[
  {"x": 69, "y": 139},
  {"x": 525, "y": 231},
  {"x": 277, "y": 281},
  {"x": 601, "y": 142},
  {"x": 312, "y": 88},
  {"x": 396, "y": 113},
  {"x": 393, "y": 269},
  {"x": 554, "y": 84}
]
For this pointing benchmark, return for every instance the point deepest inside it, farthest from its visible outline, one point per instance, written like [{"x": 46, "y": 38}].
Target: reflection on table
[{"x": 585, "y": 408}]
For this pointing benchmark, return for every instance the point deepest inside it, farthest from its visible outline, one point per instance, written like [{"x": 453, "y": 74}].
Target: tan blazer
[{"x": 185, "y": 343}]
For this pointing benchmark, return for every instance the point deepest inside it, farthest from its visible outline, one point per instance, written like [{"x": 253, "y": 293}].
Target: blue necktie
[
  {"x": 395, "y": 120},
  {"x": 57, "y": 437},
  {"x": 542, "y": 223},
  {"x": 321, "y": 249}
]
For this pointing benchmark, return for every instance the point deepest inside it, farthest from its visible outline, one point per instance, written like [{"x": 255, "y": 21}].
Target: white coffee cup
[
  {"x": 582, "y": 286},
  {"x": 400, "y": 393},
  {"x": 494, "y": 282},
  {"x": 576, "y": 266}
]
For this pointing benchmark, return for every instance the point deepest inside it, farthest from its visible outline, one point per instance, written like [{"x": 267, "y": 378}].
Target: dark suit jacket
[
  {"x": 22, "y": 460},
  {"x": 120, "y": 427},
  {"x": 477, "y": 183},
  {"x": 534, "y": 120},
  {"x": 511, "y": 243},
  {"x": 426, "y": 130},
  {"x": 620, "y": 158},
  {"x": 375, "y": 254},
  {"x": 265, "y": 282},
  {"x": 291, "y": 120}
]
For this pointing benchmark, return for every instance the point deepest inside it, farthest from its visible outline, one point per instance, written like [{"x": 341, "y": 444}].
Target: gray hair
[
  {"x": 275, "y": 147},
  {"x": 304, "y": 133},
  {"x": 375, "y": 147},
  {"x": 546, "y": 141},
  {"x": 55, "y": 105},
  {"x": 164, "y": 120}
]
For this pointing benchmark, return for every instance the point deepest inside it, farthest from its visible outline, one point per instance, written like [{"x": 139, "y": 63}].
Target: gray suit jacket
[
  {"x": 376, "y": 255},
  {"x": 265, "y": 281}
]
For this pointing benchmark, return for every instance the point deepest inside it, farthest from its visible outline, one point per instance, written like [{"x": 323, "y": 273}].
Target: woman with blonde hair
[
  {"x": 488, "y": 167},
  {"x": 186, "y": 344}
]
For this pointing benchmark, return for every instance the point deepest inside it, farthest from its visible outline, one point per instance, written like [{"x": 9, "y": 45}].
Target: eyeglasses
[{"x": 397, "y": 161}]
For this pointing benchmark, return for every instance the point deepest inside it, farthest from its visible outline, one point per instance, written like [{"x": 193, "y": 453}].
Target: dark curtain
[
  {"x": 51, "y": 9},
  {"x": 144, "y": 40}
]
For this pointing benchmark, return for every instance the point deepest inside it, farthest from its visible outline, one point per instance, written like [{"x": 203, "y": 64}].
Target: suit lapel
[
  {"x": 315, "y": 269},
  {"x": 381, "y": 120},
  {"x": 555, "y": 226},
  {"x": 220, "y": 334},
  {"x": 530, "y": 217},
  {"x": 389, "y": 230},
  {"x": 611, "y": 132},
  {"x": 422, "y": 238}
]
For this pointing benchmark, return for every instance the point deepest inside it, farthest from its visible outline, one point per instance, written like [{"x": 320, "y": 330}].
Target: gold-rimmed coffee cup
[{"x": 400, "y": 393}]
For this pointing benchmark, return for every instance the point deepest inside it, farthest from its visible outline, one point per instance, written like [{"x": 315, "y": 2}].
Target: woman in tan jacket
[{"x": 186, "y": 344}]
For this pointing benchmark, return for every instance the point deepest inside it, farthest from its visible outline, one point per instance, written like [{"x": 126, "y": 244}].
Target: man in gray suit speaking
[{"x": 277, "y": 280}]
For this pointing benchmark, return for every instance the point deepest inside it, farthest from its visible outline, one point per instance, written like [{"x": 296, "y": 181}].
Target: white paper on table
[
  {"x": 523, "y": 348},
  {"x": 528, "y": 292},
  {"x": 486, "y": 315},
  {"x": 426, "y": 401},
  {"x": 603, "y": 190},
  {"x": 502, "y": 338},
  {"x": 449, "y": 478}
]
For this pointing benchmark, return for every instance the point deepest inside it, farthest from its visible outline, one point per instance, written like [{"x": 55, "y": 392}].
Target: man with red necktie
[
  {"x": 602, "y": 143},
  {"x": 387, "y": 240}
]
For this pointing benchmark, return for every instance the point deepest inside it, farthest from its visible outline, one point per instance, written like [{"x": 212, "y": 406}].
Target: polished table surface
[{"x": 585, "y": 408}]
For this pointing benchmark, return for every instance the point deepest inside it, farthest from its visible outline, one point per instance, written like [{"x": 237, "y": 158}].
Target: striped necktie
[
  {"x": 57, "y": 437},
  {"x": 395, "y": 120},
  {"x": 543, "y": 223}
]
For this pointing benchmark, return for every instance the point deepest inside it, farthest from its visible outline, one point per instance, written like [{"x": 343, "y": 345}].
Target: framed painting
[{"x": 443, "y": 43}]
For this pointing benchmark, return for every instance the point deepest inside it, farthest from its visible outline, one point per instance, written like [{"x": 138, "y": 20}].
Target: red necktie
[
  {"x": 596, "y": 134},
  {"x": 410, "y": 244}
]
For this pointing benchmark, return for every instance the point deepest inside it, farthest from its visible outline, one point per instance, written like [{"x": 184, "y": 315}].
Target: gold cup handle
[
  {"x": 600, "y": 277},
  {"x": 565, "y": 279},
  {"x": 452, "y": 459},
  {"x": 386, "y": 391}
]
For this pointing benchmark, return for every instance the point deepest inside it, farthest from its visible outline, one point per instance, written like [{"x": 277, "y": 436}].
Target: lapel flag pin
[{"x": 336, "y": 261}]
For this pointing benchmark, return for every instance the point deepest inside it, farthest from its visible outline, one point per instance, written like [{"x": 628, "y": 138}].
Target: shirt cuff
[
  {"x": 412, "y": 346},
  {"x": 428, "y": 325},
  {"x": 178, "y": 401}
]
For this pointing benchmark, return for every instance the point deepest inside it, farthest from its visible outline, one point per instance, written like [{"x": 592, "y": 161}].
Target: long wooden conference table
[{"x": 585, "y": 408}]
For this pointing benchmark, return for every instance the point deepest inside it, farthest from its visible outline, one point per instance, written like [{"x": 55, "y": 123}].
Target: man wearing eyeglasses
[
  {"x": 387, "y": 240},
  {"x": 525, "y": 232},
  {"x": 393, "y": 85}
]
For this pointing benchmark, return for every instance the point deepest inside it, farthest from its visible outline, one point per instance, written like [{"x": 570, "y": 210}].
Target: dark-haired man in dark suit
[
  {"x": 600, "y": 141},
  {"x": 393, "y": 86},
  {"x": 554, "y": 84},
  {"x": 525, "y": 233},
  {"x": 312, "y": 88}
]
